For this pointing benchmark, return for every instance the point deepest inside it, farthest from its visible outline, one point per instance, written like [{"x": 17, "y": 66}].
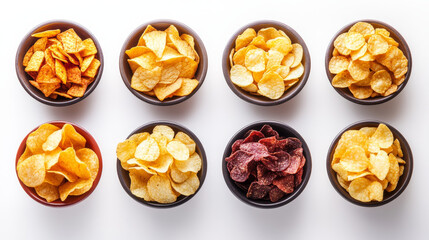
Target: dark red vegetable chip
[
  {"x": 258, "y": 150},
  {"x": 295, "y": 162},
  {"x": 240, "y": 161},
  {"x": 277, "y": 161},
  {"x": 257, "y": 191},
  {"x": 286, "y": 183},
  {"x": 270, "y": 143},
  {"x": 268, "y": 131},
  {"x": 254, "y": 136},
  {"x": 292, "y": 144},
  {"x": 236, "y": 145},
  {"x": 265, "y": 176},
  {"x": 298, "y": 177},
  {"x": 275, "y": 194}
]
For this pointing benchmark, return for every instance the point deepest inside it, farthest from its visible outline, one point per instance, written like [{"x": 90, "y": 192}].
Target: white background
[{"x": 214, "y": 114}]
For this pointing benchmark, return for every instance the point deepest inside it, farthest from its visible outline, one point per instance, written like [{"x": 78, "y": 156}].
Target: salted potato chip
[
  {"x": 159, "y": 189},
  {"x": 381, "y": 81},
  {"x": 352, "y": 176},
  {"x": 368, "y": 131},
  {"x": 288, "y": 60},
  {"x": 382, "y": 137},
  {"x": 345, "y": 184},
  {"x": 366, "y": 29},
  {"x": 259, "y": 42},
  {"x": 376, "y": 191},
  {"x": 48, "y": 192},
  {"x": 138, "y": 164},
  {"x": 379, "y": 164},
  {"x": 342, "y": 80},
  {"x": 338, "y": 64},
  {"x": 280, "y": 44},
  {"x": 295, "y": 73},
  {"x": 147, "y": 60},
  {"x": 31, "y": 171},
  {"x": 178, "y": 150},
  {"x": 188, "y": 187},
  {"x": 245, "y": 38},
  {"x": 162, "y": 164},
  {"x": 270, "y": 33},
  {"x": 274, "y": 58},
  {"x": 397, "y": 144},
  {"x": 162, "y": 91},
  {"x": 148, "y": 150},
  {"x": 255, "y": 60},
  {"x": 72, "y": 164},
  {"x": 240, "y": 76},
  {"x": 138, "y": 185},
  {"x": 354, "y": 40},
  {"x": 358, "y": 189},
  {"x": 354, "y": 159},
  {"x": 54, "y": 179},
  {"x": 36, "y": 139},
  {"x": 192, "y": 164},
  {"x": 298, "y": 53},
  {"x": 377, "y": 45},
  {"x": 360, "y": 92},
  {"x": 348, "y": 139},
  {"x": 69, "y": 187},
  {"x": 137, "y": 51},
  {"x": 71, "y": 138},
  {"x": 393, "y": 174},
  {"x": 183, "y": 47},
  {"x": 359, "y": 70},
  {"x": 90, "y": 158},
  {"x": 355, "y": 55},
  {"x": 177, "y": 175},
  {"x": 187, "y": 140},
  {"x": 340, "y": 44},
  {"x": 188, "y": 86},
  {"x": 165, "y": 131},
  {"x": 53, "y": 141},
  {"x": 240, "y": 56},
  {"x": 271, "y": 85}
]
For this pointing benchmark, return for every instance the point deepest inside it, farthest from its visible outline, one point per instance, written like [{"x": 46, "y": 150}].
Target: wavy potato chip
[
  {"x": 255, "y": 60},
  {"x": 354, "y": 159},
  {"x": 342, "y": 80},
  {"x": 359, "y": 70},
  {"x": 377, "y": 45},
  {"x": 163, "y": 91},
  {"x": 381, "y": 81},
  {"x": 340, "y": 45}
]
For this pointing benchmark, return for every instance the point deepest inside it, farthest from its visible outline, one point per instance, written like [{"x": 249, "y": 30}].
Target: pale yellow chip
[
  {"x": 352, "y": 176},
  {"x": 394, "y": 172},
  {"x": 159, "y": 189},
  {"x": 377, "y": 45},
  {"x": 280, "y": 44},
  {"x": 382, "y": 138},
  {"x": 162, "y": 164},
  {"x": 359, "y": 70},
  {"x": 192, "y": 164},
  {"x": 148, "y": 150},
  {"x": 31, "y": 171},
  {"x": 53, "y": 141},
  {"x": 163, "y": 91},
  {"x": 125, "y": 150},
  {"x": 156, "y": 41},
  {"x": 360, "y": 92},
  {"x": 354, "y": 41},
  {"x": 368, "y": 131},
  {"x": 271, "y": 85},
  {"x": 376, "y": 191},
  {"x": 379, "y": 164},
  {"x": 358, "y": 189},
  {"x": 295, "y": 72},
  {"x": 48, "y": 192},
  {"x": 381, "y": 81},
  {"x": 138, "y": 185},
  {"x": 338, "y": 64},
  {"x": 240, "y": 76},
  {"x": 177, "y": 175},
  {"x": 51, "y": 158},
  {"x": 164, "y": 130},
  {"x": 138, "y": 164},
  {"x": 274, "y": 59},
  {"x": 187, "y": 140},
  {"x": 36, "y": 139},
  {"x": 343, "y": 183},
  {"x": 188, "y": 187},
  {"x": 244, "y": 39},
  {"x": 340, "y": 44},
  {"x": 298, "y": 53},
  {"x": 288, "y": 60},
  {"x": 178, "y": 150},
  {"x": 283, "y": 71},
  {"x": 255, "y": 60},
  {"x": 342, "y": 79},
  {"x": 147, "y": 60},
  {"x": 187, "y": 87},
  {"x": 354, "y": 159}
]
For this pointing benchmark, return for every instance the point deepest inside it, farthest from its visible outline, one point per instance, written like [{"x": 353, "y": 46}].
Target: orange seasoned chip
[
  {"x": 92, "y": 69},
  {"x": 28, "y": 56},
  {"x": 70, "y": 40},
  {"x": 88, "y": 48},
  {"x": 73, "y": 74},
  {"x": 40, "y": 45},
  {"x": 35, "y": 62},
  {"x": 46, "y": 75},
  {"x": 86, "y": 62},
  {"x": 46, "y": 34}
]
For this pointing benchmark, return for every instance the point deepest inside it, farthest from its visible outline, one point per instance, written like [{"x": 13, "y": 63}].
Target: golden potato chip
[
  {"x": 382, "y": 138},
  {"x": 281, "y": 70},
  {"x": 288, "y": 60},
  {"x": 48, "y": 192},
  {"x": 92, "y": 69},
  {"x": 367, "y": 57},
  {"x": 393, "y": 174},
  {"x": 178, "y": 176},
  {"x": 381, "y": 81},
  {"x": 162, "y": 164},
  {"x": 355, "y": 55},
  {"x": 366, "y": 29},
  {"x": 159, "y": 189},
  {"x": 270, "y": 33},
  {"x": 27, "y": 153},
  {"x": 156, "y": 41},
  {"x": 146, "y": 60},
  {"x": 68, "y": 187},
  {"x": 165, "y": 131},
  {"x": 376, "y": 191},
  {"x": 138, "y": 164},
  {"x": 398, "y": 148},
  {"x": 259, "y": 42},
  {"x": 189, "y": 39},
  {"x": 359, "y": 70},
  {"x": 36, "y": 139},
  {"x": 399, "y": 81},
  {"x": 379, "y": 164},
  {"x": 368, "y": 131},
  {"x": 280, "y": 44},
  {"x": 70, "y": 40},
  {"x": 338, "y": 64},
  {"x": 354, "y": 159},
  {"x": 170, "y": 53},
  {"x": 352, "y": 176},
  {"x": 188, "y": 187},
  {"x": 360, "y": 92},
  {"x": 394, "y": 59},
  {"x": 295, "y": 73},
  {"x": 183, "y": 47},
  {"x": 187, "y": 140},
  {"x": 298, "y": 53},
  {"x": 240, "y": 56},
  {"x": 187, "y": 87},
  {"x": 240, "y": 76},
  {"x": 354, "y": 40},
  {"x": 35, "y": 62},
  {"x": 138, "y": 185},
  {"x": 377, "y": 45},
  {"x": 144, "y": 79},
  {"x": 31, "y": 171},
  {"x": 54, "y": 179},
  {"x": 169, "y": 72},
  {"x": 364, "y": 83},
  {"x": 137, "y": 51},
  {"x": 345, "y": 184},
  {"x": 163, "y": 91},
  {"x": 340, "y": 44},
  {"x": 69, "y": 162},
  {"x": 178, "y": 150},
  {"x": 52, "y": 141},
  {"x": 90, "y": 158},
  {"x": 348, "y": 139},
  {"x": 274, "y": 59},
  {"x": 271, "y": 85},
  {"x": 231, "y": 56},
  {"x": 71, "y": 138},
  {"x": 255, "y": 60},
  {"x": 192, "y": 164},
  {"x": 46, "y": 34},
  {"x": 148, "y": 150},
  {"x": 245, "y": 38},
  {"x": 51, "y": 158},
  {"x": 342, "y": 80},
  {"x": 358, "y": 189}
]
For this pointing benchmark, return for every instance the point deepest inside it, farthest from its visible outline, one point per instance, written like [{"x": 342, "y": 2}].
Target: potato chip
[
  {"x": 368, "y": 131},
  {"x": 255, "y": 60},
  {"x": 178, "y": 150},
  {"x": 352, "y": 176},
  {"x": 381, "y": 81},
  {"x": 156, "y": 41},
  {"x": 245, "y": 38},
  {"x": 298, "y": 53},
  {"x": 280, "y": 44},
  {"x": 358, "y": 189},
  {"x": 178, "y": 176},
  {"x": 354, "y": 159},
  {"x": 359, "y": 70},
  {"x": 163, "y": 91},
  {"x": 338, "y": 64},
  {"x": 395, "y": 60},
  {"x": 240, "y": 56},
  {"x": 46, "y": 34},
  {"x": 48, "y": 192},
  {"x": 259, "y": 42},
  {"x": 271, "y": 85},
  {"x": 295, "y": 73},
  {"x": 379, "y": 164},
  {"x": 192, "y": 164},
  {"x": 162, "y": 164},
  {"x": 269, "y": 33},
  {"x": 165, "y": 131},
  {"x": 69, "y": 162},
  {"x": 342, "y": 80},
  {"x": 70, "y": 187},
  {"x": 138, "y": 185},
  {"x": 188, "y": 86},
  {"x": 148, "y": 150},
  {"x": 31, "y": 171},
  {"x": 188, "y": 187},
  {"x": 340, "y": 44},
  {"x": 288, "y": 60},
  {"x": 90, "y": 158},
  {"x": 376, "y": 191},
  {"x": 377, "y": 45},
  {"x": 71, "y": 138},
  {"x": 355, "y": 55},
  {"x": 345, "y": 184},
  {"x": 366, "y": 29},
  {"x": 240, "y": 76},
  {"x": 348, "y": 139},
  {"x": 382, "y": 137},
  {"x": 36, "y": 139},
  {"x": 188, "y": 141},
  {"x": 159, "y": 189},
  {"x": 393, "y": 174},
  {"x": 274, "y": 59},
  {"x": 360, "y": 92},
  {"x": 182, "y": 46},
  {"x": 354, "y": 40},
  {"x": 52, "y": 141},
  {"x": 54, "y": 179},
  {"x": 144, "y": 79}
]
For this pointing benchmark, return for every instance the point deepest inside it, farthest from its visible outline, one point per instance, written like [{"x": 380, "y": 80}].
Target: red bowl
[{"x": 90, "y": 143}]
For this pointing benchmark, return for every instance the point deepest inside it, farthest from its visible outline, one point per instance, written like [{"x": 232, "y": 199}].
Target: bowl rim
[
  {"x": 203, "y": 64},
  {"x": 286, "y": 96},
  {"x": 287, "y": 198},
  {"x": 53, "y": 102},
  {"x": 77, "y": 199},
  {"x": 369, "y": 101},
  {"x": 120, "y": 170},
  {"x": 405, "y": 147}
]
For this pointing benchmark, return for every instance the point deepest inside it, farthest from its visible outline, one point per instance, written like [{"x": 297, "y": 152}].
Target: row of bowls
[
  {"x": 283, "y": 129},
  {"x": 202, "y": 69}
]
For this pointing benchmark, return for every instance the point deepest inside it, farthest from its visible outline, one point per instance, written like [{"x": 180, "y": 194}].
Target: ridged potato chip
[
  {"x": 377, "y": 45},
  {"x": 340, "y": 44},
  {"x": 360, "y": 92},
  {"x": 348, "y": 139},
  {"x": 359, "y": 70},
  {"x": 366, "y": 29},
  {"x": 342, "y": 79}
]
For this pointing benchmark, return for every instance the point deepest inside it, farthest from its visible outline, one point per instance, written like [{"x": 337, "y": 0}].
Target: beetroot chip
[
  {"x": 240, "y": 165},
  {"x": 258, "y": 150},
  {"x": 236, "y": 145},
  {"x": 254, "y": 136},
  {"x": 275, "y": 194},
  {"x": 298, "y": 177},
  {"x": 292, "y": 144},
  {"x": 268, "y": 131},
  {"x": 257, "y": 191},
  {"x": 286, "y": 183},
  {"x": 270, "y": 143},
  {"x": 278, "y": 161},
  {"x": 265, "y": 176},
  {"x": 299, "y": 152}
]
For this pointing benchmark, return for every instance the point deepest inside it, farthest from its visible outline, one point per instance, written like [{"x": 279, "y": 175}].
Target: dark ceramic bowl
[
  {"x": 132, "y": 41},
  {"x": 345, "y": 92},
  {"x": 284, "y": 131},
  {"x": 124, "y": 176},
  {"x": 403, "y": 180},
  {"x": 28, "y": 41},
  {"x": 90, "y": 143},
  {"x": 261, "y": 100}
]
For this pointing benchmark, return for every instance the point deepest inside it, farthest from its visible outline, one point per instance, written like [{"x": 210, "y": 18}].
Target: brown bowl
[
  {"x": 260, "y": 100},
  {"x": 403, "y": 180},
  {"x": 124, "y": 176},
  {"x": 284, "y": 131},
  {"x": 90, "y": 143},
  {"x": 132, "y": 41},
  {"x": 345, "y": 92},
  {"x": 28, "y": 41}
]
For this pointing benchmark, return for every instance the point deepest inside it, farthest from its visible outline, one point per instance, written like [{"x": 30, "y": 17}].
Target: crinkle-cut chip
[
  {"x": 354, "y": 40},
  {"x": 252, "y": 88},
  {"x": 353, "y": 176},
  {"x": 74, "y": 74},
  {"x": 71, "y": 42},
  {"x": 259, "y": 42},
  {"x": 92, "y": 69},
  {"x": 188, "y": 141},
  {"x": 274, "y": 58},
  {"x": 36, "y": 139},
  {"x": 162, "y": 164},
  {"x": 144, "y": 79},
  {"x": 88, "y": 48},
  {"x": 47, "y": 33},
  {"x": 45, "y": 74},
  {"x": 71, "y": 138},
  {"x": 298, "y": 53},
  {"x": 395, "y": 60},
  {"x": 138, "y": 185},
  {"x": 382, "y": 32},
  {"x": 165, "y": 131},
  {"x": 257, "y": 191},
  {"x": 245, "y": 38},
  {"x": 188, "y": 187},
  {"x": 137, "y": 51},
  {"x": 146, "y": 60},
  {"x": 382, "y": 137},
  {"x": 86, "y": 63},
  {"x": 68, "y": 187},
  {"x": 348, "y": 139},
  {"x": 240, "y": 76},
  {"x": 35, "y": 62},
  {"x": 159, "y": 189},
  {"x": 358, "y": 189},
  {"x": 360, "y": 92},
  {"x": 178, "y": 176},
  {"x": 392, "y": 89},
  {"x": 335, "y": 52},
  {"x": 148, "y": 150},
  {"x": 271, "y": 85},
  {"x": 47, "y": 191},
  {"x": 31, "y": 171},
  {"x": 178, "y": 150},
  {"x": 342, "y": 80},
  {"x": 338, "y": 64},
  {"x": 288, "y": 60},
  {"x": 60, "y": 71},
  {"x": 354, "y": 159},
  {"x": 355, "y": 55},
  {"x": 156, "y": 41},
  {"x": 52, "y": 141},
  {"x": 381, "y": 81},
  {"x": 72, "y": 164},
  {"x": 40, "y": 44},
  {"x": 280, "y": 44},
  {"x": 343, "y": 183},
  {"x": 393, "y": 174},
  {"x": 377, "y": 45},
  {"x": 340, "y": 44},
  {"x": 379, "y": 164},
  {"x": 359, "y": 70},
  {"x": 399, "y": 81},
  {"x": 286, "y": 183},
  {"x": 240, "y": 56},
  {"x": 368, "y": 131},
  {"x": 163, "y": 91},
  {"x": 189, "y": 39},
  {"x": 364, "y": 28},
  {"x": 269, "y": 33},
  {"x": 28, "y": 56},
  {"x": 255, "y": 60},
  {"x": 295, "y": 73},
  {"x": 90, "y": 158},
  {"x": 376, "y": 191}
]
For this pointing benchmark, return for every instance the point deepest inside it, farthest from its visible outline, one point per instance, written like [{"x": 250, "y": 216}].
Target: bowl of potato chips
[
  {"x": 58, "y": 164},
  {"x": 266, "y": 63},
  {"x": 369, "y": 163},
  {"x": 163, "y": 62},
  {"x": 368, "y": 62},
  {"x": 161, "y": 164},
  {"x": 59, "y": 63}
]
